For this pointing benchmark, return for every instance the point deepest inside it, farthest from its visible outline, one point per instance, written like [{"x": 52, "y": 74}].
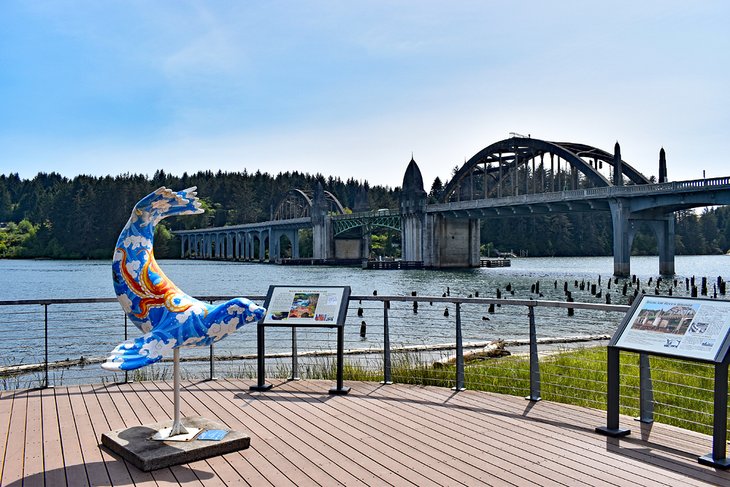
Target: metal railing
[{"x": 412, "y": 339}]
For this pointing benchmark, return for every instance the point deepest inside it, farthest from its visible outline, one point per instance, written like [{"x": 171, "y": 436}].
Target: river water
[
  {"x": 93, "y": 330},
  {"x": 36, "y": 279}
]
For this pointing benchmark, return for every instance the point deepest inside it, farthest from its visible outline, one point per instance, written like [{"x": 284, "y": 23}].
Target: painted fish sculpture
[{"x": 168, "y": 317}]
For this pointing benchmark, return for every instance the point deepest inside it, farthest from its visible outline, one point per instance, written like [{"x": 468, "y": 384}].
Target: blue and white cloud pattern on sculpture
[{"x": 168, "y": 317}]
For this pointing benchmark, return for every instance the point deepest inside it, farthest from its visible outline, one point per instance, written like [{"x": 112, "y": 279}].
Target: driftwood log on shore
[{"x": 494, "y": 349}]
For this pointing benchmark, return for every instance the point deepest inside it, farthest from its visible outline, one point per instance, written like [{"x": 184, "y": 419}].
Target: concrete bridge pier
[
  {"x": 623, "y": 237},
  {"x": 262, "y": 244},
  {"x": 322, "y": 234},
  {"x": 624, "y": 228},
  {"x": 664, "y": 230},
  {"x": 275, "y": 244},
  {"x": 452, "y": 242},
  {"x": 365, "y": 245}
]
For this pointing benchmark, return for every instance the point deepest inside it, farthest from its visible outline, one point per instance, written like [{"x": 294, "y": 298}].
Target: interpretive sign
[
  {"x": 690, "y": 328},
  {"x": 303, "y": 306}
]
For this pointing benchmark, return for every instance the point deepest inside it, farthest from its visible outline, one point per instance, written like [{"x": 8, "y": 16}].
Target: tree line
[
  {"x": 52, "y": 216},
  {"x": 56, "y": 217}
]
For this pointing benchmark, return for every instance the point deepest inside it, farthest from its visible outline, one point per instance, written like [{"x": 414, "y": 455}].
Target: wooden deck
[{"x": 376, "y": 435}]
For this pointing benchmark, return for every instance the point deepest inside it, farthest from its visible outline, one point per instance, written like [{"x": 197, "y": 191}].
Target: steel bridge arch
[
  {"x": 297, "y": 203},
  {"x": 368, "y": 221},
  {"x": 510, "y": 153}
]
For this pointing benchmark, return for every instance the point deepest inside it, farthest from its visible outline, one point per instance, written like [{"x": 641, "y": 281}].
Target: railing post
[
  {"x": 646, "y": 390},
  {"x": 387, "y": 379},
  {"x": 45, "y": 346},
  {"x": 294, "y": 353},
  {"x": 613, "y": 396},
  {"x": 126, "y": 337},
  {"x": 211, "y": 372},
  {"x": 459, "y": 352},
  {"x": 718, "y": 456},
  {"x": 534, "y": 359}
]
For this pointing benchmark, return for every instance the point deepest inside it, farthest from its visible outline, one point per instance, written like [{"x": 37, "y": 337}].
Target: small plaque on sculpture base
[
  {"x": 164, "y": 434},
  {"x": 136, "y": 445}
]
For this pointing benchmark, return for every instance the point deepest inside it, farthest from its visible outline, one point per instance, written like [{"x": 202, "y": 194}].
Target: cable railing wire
[{"x": 387, "y": 338}]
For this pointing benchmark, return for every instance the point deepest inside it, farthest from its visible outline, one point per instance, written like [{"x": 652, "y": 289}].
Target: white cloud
[
  {"x": 136, "y": 241},
  {"x": 155, "y": 348}
]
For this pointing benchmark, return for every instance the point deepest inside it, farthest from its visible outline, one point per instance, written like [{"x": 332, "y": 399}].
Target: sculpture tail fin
[
  {"x": 133, "y": 354},
  {"x": 164, "y": 202}
]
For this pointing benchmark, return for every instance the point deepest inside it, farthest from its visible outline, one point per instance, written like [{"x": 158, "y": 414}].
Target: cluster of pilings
[{"x": 608, "y": 290}]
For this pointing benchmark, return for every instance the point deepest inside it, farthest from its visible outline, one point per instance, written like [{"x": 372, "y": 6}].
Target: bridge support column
[
  {"x": 274, "y": 245},
  {"x": 623, "y": 236},
  {"x": 664, "y": 231},
  {"x": 262, "y": 246},
  {"x": 452, "y": 242},
  {"x": 323, "y": 245},
  {"x": 365, "y": 244},
  {"x": 295, "y": 244}
]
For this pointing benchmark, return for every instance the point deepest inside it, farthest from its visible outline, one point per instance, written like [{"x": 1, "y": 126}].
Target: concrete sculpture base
[{"x": 136, "y": 445}]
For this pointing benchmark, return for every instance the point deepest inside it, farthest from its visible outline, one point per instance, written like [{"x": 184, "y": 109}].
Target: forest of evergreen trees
[{"x": 51, "y": 216}]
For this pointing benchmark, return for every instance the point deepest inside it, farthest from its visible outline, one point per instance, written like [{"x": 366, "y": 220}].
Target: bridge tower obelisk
[
  {"x": 413, "y": 214},
  {"x": 625, "y": 216}
]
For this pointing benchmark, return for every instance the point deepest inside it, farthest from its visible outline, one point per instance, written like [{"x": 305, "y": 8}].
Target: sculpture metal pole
[{"x": 177, "y": 427}]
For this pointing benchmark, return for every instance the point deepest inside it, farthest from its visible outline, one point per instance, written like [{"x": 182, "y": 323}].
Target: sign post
[
  {"x": 304, "y": 307},
  {"x": 692, "y": 329}
]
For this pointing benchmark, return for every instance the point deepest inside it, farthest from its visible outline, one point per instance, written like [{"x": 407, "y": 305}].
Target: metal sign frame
[
  {"x": 670, "y": 327},
  {"x": 677, "y": 327},
  {"x": 303, "y": 306}
]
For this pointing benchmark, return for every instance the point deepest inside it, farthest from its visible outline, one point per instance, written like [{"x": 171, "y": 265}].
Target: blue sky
[{"x": 351, "y": 89}]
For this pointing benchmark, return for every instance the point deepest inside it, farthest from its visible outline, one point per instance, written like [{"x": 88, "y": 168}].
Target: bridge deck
[{"x": 376, "y": 435}]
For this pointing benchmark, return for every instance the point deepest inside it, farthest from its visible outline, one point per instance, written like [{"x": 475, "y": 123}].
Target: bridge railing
[
  {"x": 586, "y": 193},
  {"x": 442, "y": 341}
]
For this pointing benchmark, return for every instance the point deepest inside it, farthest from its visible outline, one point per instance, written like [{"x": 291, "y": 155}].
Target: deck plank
[
  {"x": 134, "y": 412},
  {"x": 73, "y": 458},
  {"x": 33, "y": 461},
  {"x": 55, "y": 472},
  {"x": 15, "y": 445},
  {"x": 117, "y": 470},
  {"x": 95, "y": 468},
  {"x": 6, "y": 405},
  {"x": 376, "y": 435}
]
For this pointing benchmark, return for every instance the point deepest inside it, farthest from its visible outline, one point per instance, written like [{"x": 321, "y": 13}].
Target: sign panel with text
[
  {"x": 306, "y": 305},
  {"x": 680, "y": 327}
]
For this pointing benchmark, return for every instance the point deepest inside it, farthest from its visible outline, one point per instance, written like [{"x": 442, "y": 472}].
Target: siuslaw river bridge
[{"x": 518, "y": 176}]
